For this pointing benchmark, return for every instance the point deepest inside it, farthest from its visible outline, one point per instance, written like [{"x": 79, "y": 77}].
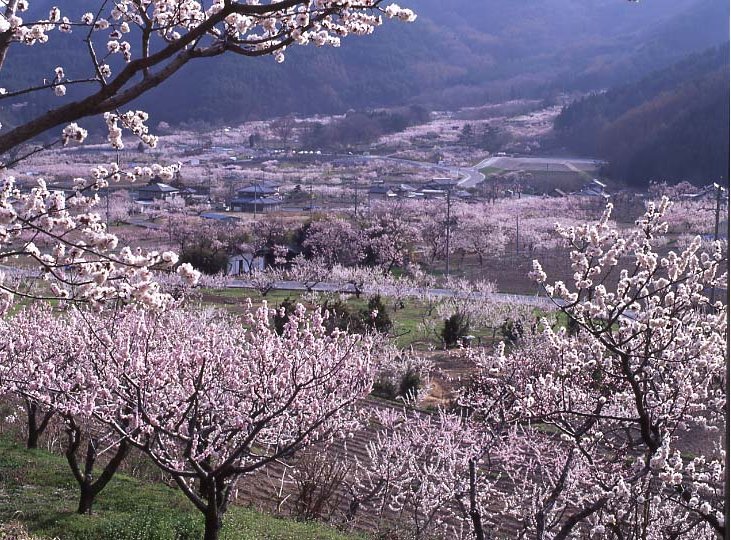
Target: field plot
[{"x": 551, "y": 164}]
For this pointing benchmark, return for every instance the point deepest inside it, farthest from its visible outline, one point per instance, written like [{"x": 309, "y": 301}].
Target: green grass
[
  {"x": 487, "y": 171},
  {"x": 37, "y": 489},
  {"x": 273, "y": 296},
  {"x": 407, "y": 321},
  {"x": 407, "y": 324}
]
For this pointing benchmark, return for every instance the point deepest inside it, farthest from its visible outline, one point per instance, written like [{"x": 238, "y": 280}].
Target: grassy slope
[
  {"x": 488, "y": 171},
  {"x": 407, "y": 321},
  {"x": 37, "y": 488}
]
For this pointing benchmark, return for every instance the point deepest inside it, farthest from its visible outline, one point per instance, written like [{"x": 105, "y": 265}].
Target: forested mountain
[
  {"x": 671, "y": 125},
  {"x": 458, "y": 52}
]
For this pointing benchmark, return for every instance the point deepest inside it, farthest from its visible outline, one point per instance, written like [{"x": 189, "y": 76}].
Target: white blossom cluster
[
  {"x": 404, "y": 14},
  {"x": 58, "y": 88},
  {"x": 73, "y": 133},
  {"x": 133, "y": 121},
  {"x": 251, "y": 26},
  {"x": 32, "y": 33},
  {"x": 80, "y": 262}
]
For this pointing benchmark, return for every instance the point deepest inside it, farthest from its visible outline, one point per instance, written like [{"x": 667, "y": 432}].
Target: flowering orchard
[
  {"x": 610, "y": 427},
  {"x": 565, "y": 432},
  {"x": 208, "y": 398}
]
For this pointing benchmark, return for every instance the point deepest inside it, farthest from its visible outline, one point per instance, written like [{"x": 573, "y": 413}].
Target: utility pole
[
  {"x": 312, "y": 196},
  {"x": 517, "y": 238},
  {"x": 449, "y": 222},
  {"x": 356, "y": 198},
  {"x": 719, "y": 190}
]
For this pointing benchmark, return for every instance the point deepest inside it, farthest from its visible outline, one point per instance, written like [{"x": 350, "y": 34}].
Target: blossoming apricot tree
[
  {"x": 210, "y": 400},
  {"x": 644, "y": 371},
  {"x": 43, "y": 357}
]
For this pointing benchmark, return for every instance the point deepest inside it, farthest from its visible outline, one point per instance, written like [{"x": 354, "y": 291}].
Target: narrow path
[{"x": 347, "y": 288}]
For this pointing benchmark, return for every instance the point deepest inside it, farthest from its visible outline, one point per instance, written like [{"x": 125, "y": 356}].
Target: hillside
[
  {"x": 462, "y": 52},
  {"x": 671, "y": 125},
  {"x": 38, "y": 491}
]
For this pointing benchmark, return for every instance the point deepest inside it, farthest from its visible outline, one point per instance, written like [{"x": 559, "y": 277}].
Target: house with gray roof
[{"x": 156, "y": 191}]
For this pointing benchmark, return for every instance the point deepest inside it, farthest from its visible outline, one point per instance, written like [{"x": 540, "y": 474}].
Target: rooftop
[
  {"x": 259, "y": 189},
  {"x": 256, "y": 200},
  {"x": 218, "y": 217},
  {"x": 158, "y": 187}
]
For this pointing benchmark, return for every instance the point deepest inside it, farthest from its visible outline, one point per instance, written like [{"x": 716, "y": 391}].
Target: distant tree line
[
  {"x": 358, "y": 127},
  {"x": 488, "y": 137}
]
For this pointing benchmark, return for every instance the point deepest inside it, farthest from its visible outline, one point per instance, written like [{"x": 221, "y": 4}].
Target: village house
[
  {"x": 244, "y": 263},
  {"x": 595, "y": 188},
  {"x": 380, "y": 191},
  {"x": 156, "y": 191},
  {"x": 257, "y": 198}
]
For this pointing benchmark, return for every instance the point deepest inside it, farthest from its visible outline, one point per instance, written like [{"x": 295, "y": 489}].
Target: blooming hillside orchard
[
  {"x": 207, "y": 397},
  {"x": 566, "y": 432},
  {"x": 132, "y": 47}
]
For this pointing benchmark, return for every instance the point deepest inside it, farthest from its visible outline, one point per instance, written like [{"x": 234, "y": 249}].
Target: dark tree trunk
[
  {"x": 33, "y": 431},
  {"x": 214, "y": 491},
  {"x": 88, "y": 487},
  {"x": 213, "y": 523},
  {"x": 353, "y": 508},
  {"x": 86, "y": 498},
  {"x": 36, "y": 425},
  {"x": 475, "y": 515},
  {"x": 32, "y": 439}
]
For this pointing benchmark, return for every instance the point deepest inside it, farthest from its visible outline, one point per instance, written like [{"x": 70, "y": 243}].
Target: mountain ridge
[
  {"x": 460, "y": 53},
  {"x": 671, "y": 125}
]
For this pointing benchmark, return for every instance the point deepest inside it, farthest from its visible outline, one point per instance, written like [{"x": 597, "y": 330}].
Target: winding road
[{"x": 471, "y": 176}]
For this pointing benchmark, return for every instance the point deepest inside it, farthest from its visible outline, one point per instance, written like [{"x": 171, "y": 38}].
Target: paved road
[
  {"x": 500, "y": 298},
  {"x": 471, "y": 176},
  {"x": 141, "y": 222},
  {"x": 347, "y": 288}
]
